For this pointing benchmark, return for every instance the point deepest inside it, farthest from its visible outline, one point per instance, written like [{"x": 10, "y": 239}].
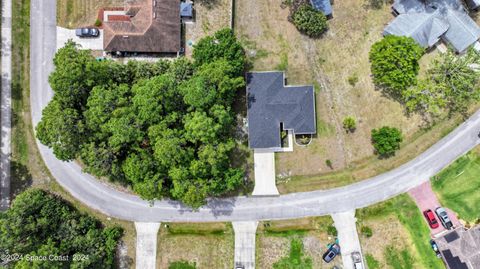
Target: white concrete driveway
[
  {"x": 146, "y": 254},
  {"x": 264, "y": 166},
  {"x": 92, "y": 43},
  {"x": 245, "y": 232},
  {"x": 347, "y": 236}
]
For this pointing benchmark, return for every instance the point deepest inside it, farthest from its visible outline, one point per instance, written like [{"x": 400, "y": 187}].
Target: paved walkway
[
  {"x": 92, "y": 43},
  {"x": 264, "y": 167},
  {"x": 6, "y": 104},
  {"x": 245, "y": 232},
  {"x": 345, "y": 223},
  {"x": 425, "y": 198},
  {"x": 146, "y": 253}
]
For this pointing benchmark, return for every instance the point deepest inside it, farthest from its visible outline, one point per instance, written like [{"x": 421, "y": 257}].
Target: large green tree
[
  {"x": 222, "y": 45},
  {"x": 452, "y": 83},
  {"x": 386, "y": 140},
  {"x": 394, "y": 63},
  {"x": 42, "y": 224}
]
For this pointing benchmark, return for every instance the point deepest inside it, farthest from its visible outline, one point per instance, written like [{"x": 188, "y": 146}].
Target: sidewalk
[{"x": 6, "y": 104}]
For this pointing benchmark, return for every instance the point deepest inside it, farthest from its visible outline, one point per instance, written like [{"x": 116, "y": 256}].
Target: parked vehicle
[
  {"x": 331, "y": 253},
  {"x": 357, "y": 260},
  {"x": 87, "y": 32},
  {"x": 435, "y": 248},
  {"x": 432, "y": 221},
  {"x": 443, "y": 217}
]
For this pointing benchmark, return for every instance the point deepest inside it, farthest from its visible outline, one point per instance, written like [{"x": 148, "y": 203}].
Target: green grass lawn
[
  {"x": 411, "y": 218},
  {"x": 457, "y": 186}
]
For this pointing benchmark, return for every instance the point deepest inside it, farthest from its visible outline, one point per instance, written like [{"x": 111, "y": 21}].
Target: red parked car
[{"x": 432, "y": 221}]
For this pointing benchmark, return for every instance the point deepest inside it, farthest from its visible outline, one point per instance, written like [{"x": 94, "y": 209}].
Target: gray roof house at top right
[{"x": 431, "y": 21}]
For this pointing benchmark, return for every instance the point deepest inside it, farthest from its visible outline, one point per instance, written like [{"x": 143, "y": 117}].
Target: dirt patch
[
  {"x": 387, "y": 231},
  {"x": 209, "y": 245},
  {"x": 210, "y": 16},
  {"x": 270, "y": 249}
]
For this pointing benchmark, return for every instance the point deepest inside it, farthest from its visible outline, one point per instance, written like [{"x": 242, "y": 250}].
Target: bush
[
  {"x": 386, "y": 140},
  {"x": 331, "y": 230},
  {"x": 349, "y": 124},
  {"x": 366, "y": 231},
  {"x": 394, "y": 63},
  {"x": 329, "y": 163},
  {"x": 98, "y": 23},
  {"x": 310, "y": 21},
  {"x": 352, "y": 80}
]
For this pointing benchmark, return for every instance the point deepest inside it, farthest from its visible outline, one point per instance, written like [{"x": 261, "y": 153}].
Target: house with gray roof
[
  {"x": 428, "y": 22},
  {"x": 272, "y": 107}
]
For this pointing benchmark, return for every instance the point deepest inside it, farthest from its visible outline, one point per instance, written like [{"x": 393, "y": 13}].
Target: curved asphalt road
[{"x": 124, "y": 206}]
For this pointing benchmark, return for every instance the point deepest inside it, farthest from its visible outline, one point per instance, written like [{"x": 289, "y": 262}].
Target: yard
[
  {"x": 399, "y": 236},
  {"x": 210, "y": 16},
  {"x": 329, "y": 63},
  {"x": 77, "y": 13},
  {"x": 457, "y": 186},
  {"x": 274, "y": 240},
  {"x": 208, "y": 245}
]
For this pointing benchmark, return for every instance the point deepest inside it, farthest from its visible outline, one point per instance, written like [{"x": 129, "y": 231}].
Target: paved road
[
  {"x": 125, "y": 206},
  {"x": 6, "y": 104}
]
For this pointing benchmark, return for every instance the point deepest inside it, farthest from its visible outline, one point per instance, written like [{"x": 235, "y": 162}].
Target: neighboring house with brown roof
[{"x": 154, "y": 27}]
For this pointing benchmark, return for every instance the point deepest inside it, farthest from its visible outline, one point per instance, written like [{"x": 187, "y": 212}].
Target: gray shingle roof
[
  {"x": 271, "y": 103},
  {"x": 427, "y": 22},
  {"x": 426, "y": 28},
  {"x": 463, "y": 31}
]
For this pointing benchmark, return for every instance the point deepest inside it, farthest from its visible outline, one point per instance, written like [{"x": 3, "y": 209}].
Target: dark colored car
[
  {"x": 443, "y": 217},
  {"x": 87, "y": 32},
  {"x": 432, "y": 221},
  {"x": 435, "y": 248},
  {"x": 331, "y": 253}
]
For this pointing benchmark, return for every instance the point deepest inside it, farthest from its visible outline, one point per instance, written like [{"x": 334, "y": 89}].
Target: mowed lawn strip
[
  {"x": 457, "y": 186},
  {"x": 411, "y": 218}
]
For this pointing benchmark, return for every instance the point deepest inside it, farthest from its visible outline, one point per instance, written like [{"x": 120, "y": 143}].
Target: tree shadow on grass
[{"x": 21, "y": 179}]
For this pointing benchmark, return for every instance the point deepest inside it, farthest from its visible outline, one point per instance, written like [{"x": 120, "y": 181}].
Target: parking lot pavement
[
  {"x": 264, "y": 168},
  {"x": 146, "y": 253},
  {"x": 245, "y": 232},
  {"x": 345, "y": 223},
  {"x": 92, "y": 43},
  {"x": 425, "y": 198}
]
